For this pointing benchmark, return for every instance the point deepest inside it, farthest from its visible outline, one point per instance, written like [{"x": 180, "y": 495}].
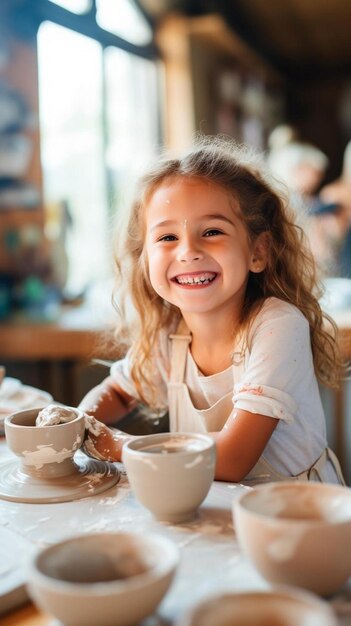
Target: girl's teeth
[{"x": 204, "y": 279}]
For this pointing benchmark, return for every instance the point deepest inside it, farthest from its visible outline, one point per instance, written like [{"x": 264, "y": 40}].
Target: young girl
[{"x": 228, "y": 334}]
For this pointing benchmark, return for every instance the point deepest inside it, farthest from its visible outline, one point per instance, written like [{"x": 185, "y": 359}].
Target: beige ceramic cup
[
  {"x": 297, "y": 533},
  {"x": 170, "y": 473},
  {"x": 45, "y": 452},
  {"x": 103, "y": 579},
  {"x": 277, "y": 607}
]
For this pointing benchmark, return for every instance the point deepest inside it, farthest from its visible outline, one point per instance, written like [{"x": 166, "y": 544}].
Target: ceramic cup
[
  {"x": 105, "y": 579},
  {"x": 280, "y": 606},
  {"x": 170, "y": 473},
  {"x": 297, "y": 533},
  {"x": 45, "y": 452}
]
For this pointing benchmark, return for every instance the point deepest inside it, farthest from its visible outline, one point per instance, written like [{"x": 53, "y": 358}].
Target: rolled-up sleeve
[
  {"x": 264, "y": 400},
  {"x": 278, "y": 363}
]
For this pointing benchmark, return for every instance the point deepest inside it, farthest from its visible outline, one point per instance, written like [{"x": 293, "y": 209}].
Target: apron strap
[
  {"x": 315, "y": 471},
  {"x": 179, "y": 350}
]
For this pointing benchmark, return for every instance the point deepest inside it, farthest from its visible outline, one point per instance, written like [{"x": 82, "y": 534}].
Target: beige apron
[{"x": 184, "y": 417}]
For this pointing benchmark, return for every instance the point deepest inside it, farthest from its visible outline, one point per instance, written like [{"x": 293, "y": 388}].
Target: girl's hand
[{"x": 101, "y": 442}]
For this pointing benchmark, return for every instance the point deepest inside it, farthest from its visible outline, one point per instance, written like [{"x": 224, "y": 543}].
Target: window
[
  {"x": 70, "y": 92},
  {"x": 99, "y": 122},
  {"x": 132, "y": 118},
  {"x": 124, "y": 19}
]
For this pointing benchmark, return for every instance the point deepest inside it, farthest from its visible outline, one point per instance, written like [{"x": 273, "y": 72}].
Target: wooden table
[
  {"x": 57, "y": 349},
  {"x": 76, "y": 334},
  {"x": 26, "y": 616}
]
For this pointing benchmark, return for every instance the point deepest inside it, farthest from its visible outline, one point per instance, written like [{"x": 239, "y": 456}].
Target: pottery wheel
[{"x": 91, "y": 477}]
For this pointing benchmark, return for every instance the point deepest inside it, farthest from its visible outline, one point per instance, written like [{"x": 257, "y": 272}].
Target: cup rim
[
  {"x": 240, "y": 504},
  {"x": 9, "y": 423},
  {"x": 129, "y": 446},
  {"x": 278, "y": 591},
  {"x": 107, "y": 588}
]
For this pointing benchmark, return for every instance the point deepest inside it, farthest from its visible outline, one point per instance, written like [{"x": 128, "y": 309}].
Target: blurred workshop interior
[{"x": 90, "y": 91}]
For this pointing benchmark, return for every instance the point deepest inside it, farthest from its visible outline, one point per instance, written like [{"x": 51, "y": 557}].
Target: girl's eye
[
  {"x": 167, "y": 238},
  {"x": 212, "y": 232}
]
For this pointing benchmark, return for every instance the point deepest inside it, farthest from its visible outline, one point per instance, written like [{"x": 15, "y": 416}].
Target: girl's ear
[{"x": 259, "y": 255}]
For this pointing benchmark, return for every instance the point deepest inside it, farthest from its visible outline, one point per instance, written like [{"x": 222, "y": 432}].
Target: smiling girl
[{"x": 228, "y": 334}]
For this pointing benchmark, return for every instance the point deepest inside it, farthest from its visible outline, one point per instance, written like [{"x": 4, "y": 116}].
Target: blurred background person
[
  {"x": 334, "y": 226},
  {"x": 301, "y": 166},
  {"x": 324, "y": 213}
]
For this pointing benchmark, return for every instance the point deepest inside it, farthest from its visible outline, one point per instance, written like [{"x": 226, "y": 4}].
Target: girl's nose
[{"x": 188, "y": 252}]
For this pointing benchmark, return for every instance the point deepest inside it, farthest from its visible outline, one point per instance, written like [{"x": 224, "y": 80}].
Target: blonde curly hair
[{"x": 290, "y": 273}]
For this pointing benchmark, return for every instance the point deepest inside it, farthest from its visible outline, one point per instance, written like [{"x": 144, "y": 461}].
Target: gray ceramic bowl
[
  {"x": 297, "y": 533},
  {"x": 171, "y": 473},
  {"x": 105, "y": 579}
]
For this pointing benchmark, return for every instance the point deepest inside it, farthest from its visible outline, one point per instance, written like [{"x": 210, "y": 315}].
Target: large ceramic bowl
[
  {"x": 171, "y": 473},
  {"x": 297, "y": 533},
  {"x": 105, "y": 579},
  {"x": 278, "y": 607}
]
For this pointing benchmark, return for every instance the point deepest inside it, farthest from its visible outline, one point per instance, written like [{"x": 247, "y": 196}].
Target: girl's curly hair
[{"x": 290, "y": 273}]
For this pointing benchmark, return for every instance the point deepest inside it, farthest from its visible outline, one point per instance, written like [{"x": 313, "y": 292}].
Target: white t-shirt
[{"x": 274, "y": 378}]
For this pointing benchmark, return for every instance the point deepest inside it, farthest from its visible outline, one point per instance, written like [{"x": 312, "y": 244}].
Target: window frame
[{"x": 34, "y": 12}]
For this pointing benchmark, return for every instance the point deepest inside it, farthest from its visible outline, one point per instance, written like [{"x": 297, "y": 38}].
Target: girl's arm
[
  {"x": 240, "y": 444},
  {"x": 102, "y": 442},
  {"x": 107, "y": 402}
]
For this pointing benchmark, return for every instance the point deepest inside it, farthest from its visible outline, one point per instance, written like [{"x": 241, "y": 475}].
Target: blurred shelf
[{"x": 76, "y": 335}]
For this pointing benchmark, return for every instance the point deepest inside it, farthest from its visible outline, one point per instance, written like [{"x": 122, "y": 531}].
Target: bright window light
[
  {"x": 72, "y": 151},
  {"x": 75, "y": 6},
  {"x": 99, "y": 128},
  {"x": 123, "y": 18},
  {"x": 132, "y": 114}
]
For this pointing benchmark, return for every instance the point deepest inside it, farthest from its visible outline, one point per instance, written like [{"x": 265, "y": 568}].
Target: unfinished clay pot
[
  {"x": 170, "y": 473},
  {"x": 49, "y": 466},
  {"x": 48, "y": 451}
]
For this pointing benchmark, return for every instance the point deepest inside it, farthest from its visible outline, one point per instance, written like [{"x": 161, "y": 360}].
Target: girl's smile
[
  {"x": 195, "y": 279},
  {"x": 198, "y": 251}
]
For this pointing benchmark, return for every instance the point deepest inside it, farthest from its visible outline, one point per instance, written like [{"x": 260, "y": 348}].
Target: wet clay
[{"x": 52, "y": 415}]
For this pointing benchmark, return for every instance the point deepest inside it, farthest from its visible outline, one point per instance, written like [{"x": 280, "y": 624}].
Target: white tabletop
[{"x": 211, "y": 560}]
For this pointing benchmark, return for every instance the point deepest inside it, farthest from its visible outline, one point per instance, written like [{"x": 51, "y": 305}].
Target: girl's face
[{"x": 198, "y": 250}]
